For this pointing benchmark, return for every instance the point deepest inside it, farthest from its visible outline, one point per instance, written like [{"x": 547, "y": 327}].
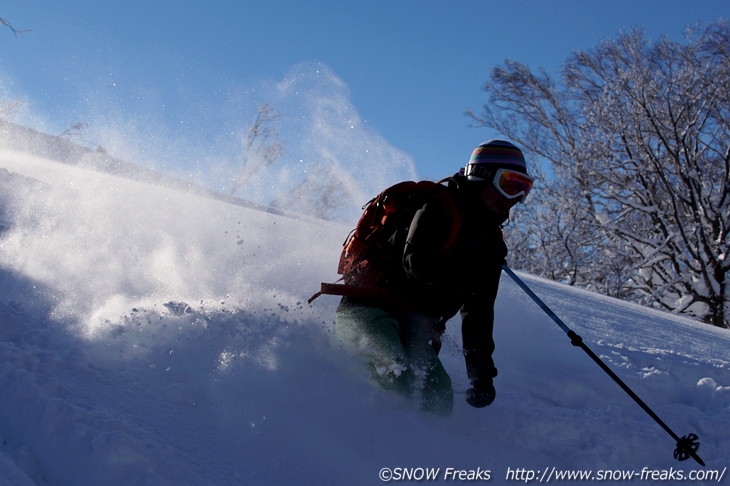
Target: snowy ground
[{"x": 153, "y": 337}]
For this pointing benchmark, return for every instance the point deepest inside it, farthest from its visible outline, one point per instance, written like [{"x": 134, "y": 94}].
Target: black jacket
[{"x": 464, "y": 276}]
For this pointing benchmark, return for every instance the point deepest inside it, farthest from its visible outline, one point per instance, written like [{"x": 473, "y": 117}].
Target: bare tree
[
  {"x": 319, "y": 194},
  {"x": 15, "y": 31},
  {"x": 9, "y": 109},
  {"x": 262, "y": 147},
  {"x": 637, "y": 136}
]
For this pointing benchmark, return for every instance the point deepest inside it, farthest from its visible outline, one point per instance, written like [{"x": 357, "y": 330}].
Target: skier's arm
[{"x": 477, "y": 326}]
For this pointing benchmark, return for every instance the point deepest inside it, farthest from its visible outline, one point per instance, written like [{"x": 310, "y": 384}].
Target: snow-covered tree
[{"x": 637, "y": 139}]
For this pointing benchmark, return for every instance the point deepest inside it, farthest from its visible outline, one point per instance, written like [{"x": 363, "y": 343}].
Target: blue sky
[{"x": 408, "y": 68}]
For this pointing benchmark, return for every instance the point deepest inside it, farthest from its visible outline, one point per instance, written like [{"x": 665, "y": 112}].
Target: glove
[{"x": 482, "y": 395}]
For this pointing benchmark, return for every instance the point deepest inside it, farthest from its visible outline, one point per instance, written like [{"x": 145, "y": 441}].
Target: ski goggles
[{"x": 512, "y": 184}]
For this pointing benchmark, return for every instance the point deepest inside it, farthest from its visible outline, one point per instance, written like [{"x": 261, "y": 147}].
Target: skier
[{"x": 450, "y": 260}]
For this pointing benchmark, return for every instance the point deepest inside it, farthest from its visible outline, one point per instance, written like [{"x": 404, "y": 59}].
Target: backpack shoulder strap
[{"x": 447, "y": 200}]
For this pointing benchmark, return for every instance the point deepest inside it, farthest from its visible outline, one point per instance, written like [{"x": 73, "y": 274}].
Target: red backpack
[{"x": 374, "y": 249}]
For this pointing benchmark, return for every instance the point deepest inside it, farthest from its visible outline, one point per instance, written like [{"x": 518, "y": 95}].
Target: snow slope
[{"x": 150, "y": 336}]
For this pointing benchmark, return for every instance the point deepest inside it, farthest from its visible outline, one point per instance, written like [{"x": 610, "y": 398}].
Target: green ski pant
[{"x": 398, "y": 354}]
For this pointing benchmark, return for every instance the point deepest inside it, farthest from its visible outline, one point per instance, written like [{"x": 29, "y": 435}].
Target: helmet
[
  {"x": 503, "y": 164},
  {"x": 493, "y": 155}
]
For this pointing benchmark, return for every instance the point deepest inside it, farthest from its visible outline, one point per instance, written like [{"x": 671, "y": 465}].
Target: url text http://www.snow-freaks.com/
[{"x": 547, "y": 475}]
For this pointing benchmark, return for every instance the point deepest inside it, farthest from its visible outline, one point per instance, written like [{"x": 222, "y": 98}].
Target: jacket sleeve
[
  {"x": 445, "y": 272},
  {"x": 477, "y": 324}
]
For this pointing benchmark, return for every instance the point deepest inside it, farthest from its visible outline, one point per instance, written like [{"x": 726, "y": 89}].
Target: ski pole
[{"x": 686, "y": 446}]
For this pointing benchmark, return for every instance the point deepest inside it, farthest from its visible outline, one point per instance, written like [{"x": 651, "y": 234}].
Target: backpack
[{"x": 372, "y": 253}]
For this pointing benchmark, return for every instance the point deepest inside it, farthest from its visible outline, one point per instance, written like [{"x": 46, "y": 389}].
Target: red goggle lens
[{"x": 513, "y": 184}]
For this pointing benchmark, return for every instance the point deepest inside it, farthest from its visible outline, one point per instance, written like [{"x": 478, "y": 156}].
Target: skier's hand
[{"x": 482, "y": 395}]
